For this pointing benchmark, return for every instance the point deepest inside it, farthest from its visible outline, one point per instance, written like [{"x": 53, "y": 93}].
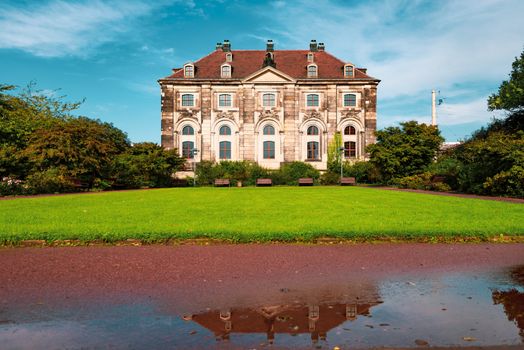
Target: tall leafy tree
[
  {"x": 511, "y": 92},
  {"x": 405, "y": 150}
]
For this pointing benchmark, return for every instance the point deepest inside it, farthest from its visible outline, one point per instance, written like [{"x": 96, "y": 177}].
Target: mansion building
[{"x": 268, "y": 106}]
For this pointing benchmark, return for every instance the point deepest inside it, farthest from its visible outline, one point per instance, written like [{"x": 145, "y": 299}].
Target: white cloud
[
  {"x": 412, "y": 46},
  {"x": 64, "y": 28}
]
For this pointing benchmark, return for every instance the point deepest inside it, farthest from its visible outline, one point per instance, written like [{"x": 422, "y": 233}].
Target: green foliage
[
  {"x": 236, "y": 171},
  {"x": 145, "y": 165},
  {"x": 423, "y": 181},
  {"x": 405, "y": 150},
  {"x": 333, "y": 153},
  {"x": 289, "y": 173},
  {"x": 256, "y": 214},
  {"x": 508, "y": 182},
  {"x": 511, "y": 92},
  {"x": 363, "y": 172},
  {"x": 52, "y": 180},
  {"x": 330, "y": 178},
  {"x": 83, "y": 147}
]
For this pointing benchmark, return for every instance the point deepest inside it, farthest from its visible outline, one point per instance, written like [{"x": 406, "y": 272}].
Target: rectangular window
[
  {"x": 225, "y": 150},
  {"x": 268, "y": 100},
  {"x": 269, "y": 150},
  {"x": 187, "y": 149},
  {"x": 312, "y": 100},
  {"x": 350, "y": 149},
  {"x": 187, "y": 100},
  {"x": 312, "y": 150},
  {"x": 350, "y": 100},
  {"x": 224, "y": 100},
  {"x": 226, "y": 71},
  {"x": 348, "y": 71},
  {"x": 312, "y": 71},
  {"x": 188, "y": 71}
]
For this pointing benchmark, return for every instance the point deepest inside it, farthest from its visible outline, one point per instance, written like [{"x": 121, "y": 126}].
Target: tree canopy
[{"x": 510, "y": 96}]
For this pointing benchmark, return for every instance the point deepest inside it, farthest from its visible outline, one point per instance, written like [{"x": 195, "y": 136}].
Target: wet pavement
[{"x": 263, "y": 297}]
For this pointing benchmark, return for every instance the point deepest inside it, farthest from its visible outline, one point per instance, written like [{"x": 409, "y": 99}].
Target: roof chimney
[
  {"x": 321, "y": 46},
  {"x": 313, "y": 46},
  {"x": 227, "y": 46},
  {"x": 270, "y": 46},
  {"x": 219, "y": 46}
]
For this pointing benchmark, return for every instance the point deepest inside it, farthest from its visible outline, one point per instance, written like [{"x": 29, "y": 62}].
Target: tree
[
  {"x": 146, "y": 165},
  {"x": 80, "y": 147},
  {"x": 405, "y": 150},
  {"x": 511, "y": 92},
  {"x": 334, "y": 155}
]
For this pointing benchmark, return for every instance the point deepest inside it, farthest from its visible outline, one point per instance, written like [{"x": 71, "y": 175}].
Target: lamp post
[
  {"x": 341, "y": 156},
  {"x": 193, "y": 153}
]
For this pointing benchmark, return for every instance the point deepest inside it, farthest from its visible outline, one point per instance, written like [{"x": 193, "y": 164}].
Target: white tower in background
[{"x": 433, "y": 108}]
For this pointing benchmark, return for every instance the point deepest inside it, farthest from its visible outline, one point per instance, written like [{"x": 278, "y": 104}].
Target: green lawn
[{"x": 256, "y": 214}]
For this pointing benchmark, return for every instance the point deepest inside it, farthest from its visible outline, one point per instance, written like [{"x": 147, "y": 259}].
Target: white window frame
[
  {"x": 357, "y": 99},
  {"x": 229, "y": 57},
  {"x": 182, "y": 94},
  {"x": 344, "y": 99},
  {"x": 222, "y": 75},
  {"x": 316, "y": 71},
  {"x": 274, "y": 94},
  {"x": 319, "y": 100},
  {"x": 192, "y": 74},
  {"x": 352, "y": 71},
  {"x": 230, "y": 97},
  {"x": 311, "y": 57}
]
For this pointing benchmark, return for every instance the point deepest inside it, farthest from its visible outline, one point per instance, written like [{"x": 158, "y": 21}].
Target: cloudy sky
[{"x": 112, "y": 52}]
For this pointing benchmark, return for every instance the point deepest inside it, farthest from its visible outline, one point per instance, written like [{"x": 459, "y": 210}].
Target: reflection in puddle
[
  {"x": 315, "y": 320},
  {"x": 439, "y": 310}
]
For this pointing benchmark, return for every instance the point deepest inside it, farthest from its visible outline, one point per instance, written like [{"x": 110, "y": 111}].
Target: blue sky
[{"x": 112, "y": 52}]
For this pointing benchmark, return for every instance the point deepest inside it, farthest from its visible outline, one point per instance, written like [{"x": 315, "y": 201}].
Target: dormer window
[
  {"x": 229, "y": 57},
  {"x": 312, "y": 71},
  {"x": 349, "y": 71},
  {"x": 225, "y": 71},
  {"x": 189, "y": 71},
  {"x": 310, "y": 57}
]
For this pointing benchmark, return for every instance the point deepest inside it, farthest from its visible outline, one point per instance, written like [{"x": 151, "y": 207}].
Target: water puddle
[{"x": 441, "y": 310}]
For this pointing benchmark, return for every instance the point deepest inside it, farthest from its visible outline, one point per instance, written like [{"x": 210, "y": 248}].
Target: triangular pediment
[{"x": 269, "y": 75}]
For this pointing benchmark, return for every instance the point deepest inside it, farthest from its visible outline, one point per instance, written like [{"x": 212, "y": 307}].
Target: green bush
[
  {"x": 330, "y": 178},
  {"x": 425, "y": 181},
  {"x": 289, "y": 173},
  {"x": 507, "y": 183},
  {"x": 52, "y": 180},
  {"x": 363, "y": 172},
  {"x": 11, "y": 187}
]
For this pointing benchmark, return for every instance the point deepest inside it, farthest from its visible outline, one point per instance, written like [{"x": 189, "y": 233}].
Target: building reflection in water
[
  {"x": 317, "y": 320},
  {"x": 513, "y": 300}
]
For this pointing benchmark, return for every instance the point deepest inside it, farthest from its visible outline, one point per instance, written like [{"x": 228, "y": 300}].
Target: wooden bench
[
  {"x": 348, "y": 181},
  {"x": 264, "y": 182},
  {"x": 305, "y": 181},
  {"x": 222, "y": 183},
  {"x": 79, "y": 184}
]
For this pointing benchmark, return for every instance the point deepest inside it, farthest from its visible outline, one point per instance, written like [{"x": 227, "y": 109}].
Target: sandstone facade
[{"x": 268, "y": 106}]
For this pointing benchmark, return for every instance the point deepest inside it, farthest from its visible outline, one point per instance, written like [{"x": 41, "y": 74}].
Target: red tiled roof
[{"x": 291, "y": 62}]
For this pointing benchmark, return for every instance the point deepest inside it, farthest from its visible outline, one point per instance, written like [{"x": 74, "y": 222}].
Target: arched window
[
  {"x": 225, "y": 130},
  {"x": 350, "y": 100},
  {"x": 269, "y": 149},
  {"x": 350, "y": 149},
  {"x": 268, "y": 130},
  {"x": 224, "y": 100},
  {"x": 188, "y": 100},
  {"x": 229, "y": 57},
  {"x": 349, "y": 130},
  {"x": 312, "y": 71},
  {"x": 313, "y": 150},
  {"x": 226, "y": 71},
  {"x": 189, "y": 71},
  {"x": 224, "y": 150},
  {"x": 312, "y": 100},
  {"x": 188, "y": 130},
  {"x": 312, "y": 130},
  {"x": 187, "y": 149},
  {"x": 310, "y": 57},
  {"x": 268, "y": 100}
]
